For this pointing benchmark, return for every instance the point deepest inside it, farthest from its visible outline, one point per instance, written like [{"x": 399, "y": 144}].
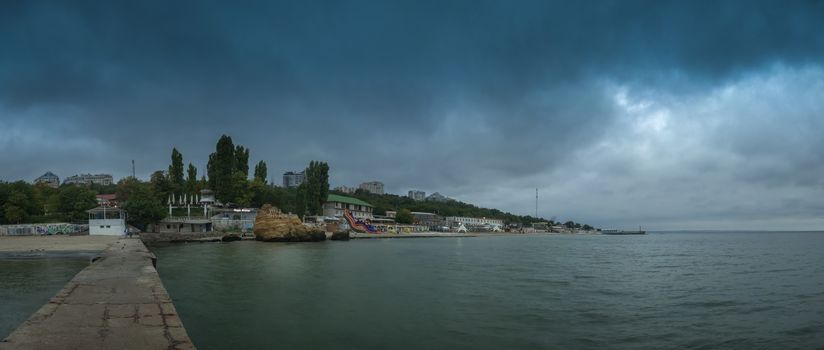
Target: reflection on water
[
  {"x": 29, "y": 282},
  {"x": 691, "y": 290}
]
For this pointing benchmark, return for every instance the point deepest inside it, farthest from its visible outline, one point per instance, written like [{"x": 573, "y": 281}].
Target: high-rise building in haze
[
  {"x": 88, "y": 179},
  {"x": 293, "y": 179},
  {"x": 417, "y": 195},
  {"x": 48, "y": 178},
  {"x": 375, "y": 187}
]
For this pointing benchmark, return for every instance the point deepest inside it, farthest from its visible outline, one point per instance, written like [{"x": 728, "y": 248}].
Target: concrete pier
[{"x": 118, "y": 302}]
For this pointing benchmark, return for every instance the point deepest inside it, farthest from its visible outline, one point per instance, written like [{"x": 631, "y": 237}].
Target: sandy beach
[{"x": 57, "y": 243}]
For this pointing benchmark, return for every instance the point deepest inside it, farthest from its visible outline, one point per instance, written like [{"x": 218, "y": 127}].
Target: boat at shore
[{"x": 623, "y": 232}]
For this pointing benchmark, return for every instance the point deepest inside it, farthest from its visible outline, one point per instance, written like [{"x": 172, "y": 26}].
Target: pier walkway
[{"x": 118, "y": 302}]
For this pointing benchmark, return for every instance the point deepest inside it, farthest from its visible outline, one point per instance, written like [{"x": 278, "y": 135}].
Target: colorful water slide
[{"x": 358, "y": 225}]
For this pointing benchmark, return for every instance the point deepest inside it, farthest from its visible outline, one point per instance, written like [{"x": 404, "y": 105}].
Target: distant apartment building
[
  {"x": 417, "y": 195},
  {"x": 293, "y": 179},
  {"x": 345, "y": 189},
  {"x": 49, "y": 178},
  {"x": 454, "y": 221},
  {"x": 375, "y": 187},
  {"x": 88, "y": 179},
  {"x": 437, "y": 197},
  {"x": 336, "y": 204}
]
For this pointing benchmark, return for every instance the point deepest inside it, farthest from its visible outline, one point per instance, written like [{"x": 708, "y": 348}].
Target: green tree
[
  {"x": 211, "y": 171},
  {"x": 176, "y": 172},
  {"x": 239, "y": 192},
  {"x": 203, "y": 183},
  {"x": 161, "y": 186},
  {"x": 15, "y": 208},
  {"x": 125, "y": 187},
  {"x": 42, "y": 194},
  {"x": 300, "y": 205},
  {"x": 260, "y": 171},
  {"x": 260, "y": 194},
  {"x": 143, "y": 207},
  {"x": 73, "y": 201},
  {"x": 4, "y": 196},
  {"x": 404, "y": 216},
  {"x": 221, "y": 169},
  {"x": 191, "y": 179},
  {"x": 316, "y": 187},
  {"x": 242, "y": 160}
]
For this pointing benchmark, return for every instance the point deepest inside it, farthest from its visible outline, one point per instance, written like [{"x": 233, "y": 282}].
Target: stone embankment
[
  {"x": 360, "y": 235},
  {"x": 118, "y": 302},
  {"x": 152, "y": 237}
]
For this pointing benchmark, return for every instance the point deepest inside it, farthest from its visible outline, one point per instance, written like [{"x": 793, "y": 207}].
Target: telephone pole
[
  {"x": 133, "y": 168},
  {"x": 536, "y": 203}
]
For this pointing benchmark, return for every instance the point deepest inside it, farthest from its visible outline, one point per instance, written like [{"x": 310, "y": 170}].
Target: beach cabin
[{"x": 107, "y": 221}]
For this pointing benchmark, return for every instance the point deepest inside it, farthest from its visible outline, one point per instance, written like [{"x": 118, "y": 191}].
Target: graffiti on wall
[{"x": 42, "y": 229}]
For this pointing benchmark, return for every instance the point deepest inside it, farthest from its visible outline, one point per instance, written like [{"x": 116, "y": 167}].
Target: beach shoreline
[{"x": 54, "y": 245}]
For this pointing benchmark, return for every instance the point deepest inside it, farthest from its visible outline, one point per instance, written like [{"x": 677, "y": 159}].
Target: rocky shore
[{"x": 273, "y": 225}]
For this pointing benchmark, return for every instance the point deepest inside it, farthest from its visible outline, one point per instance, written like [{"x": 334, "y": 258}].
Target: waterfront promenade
[{"x": 118, "y": 302}]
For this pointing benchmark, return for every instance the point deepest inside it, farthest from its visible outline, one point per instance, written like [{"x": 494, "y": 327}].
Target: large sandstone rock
[
  {"x": 272, "y": 225},
  {"x": 340, "y": 235}
]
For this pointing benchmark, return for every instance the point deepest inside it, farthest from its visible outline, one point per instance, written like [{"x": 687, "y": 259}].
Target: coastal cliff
[{"x": 272, "y": 225}]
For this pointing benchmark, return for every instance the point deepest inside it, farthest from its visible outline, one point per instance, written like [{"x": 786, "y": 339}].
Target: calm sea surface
[
  {"x": 665, "y": 290},
  {"x": 28, "y": 283}
]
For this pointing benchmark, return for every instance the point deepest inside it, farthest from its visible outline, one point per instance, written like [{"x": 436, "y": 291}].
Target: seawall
[
  {"x": 118, "y": 302},
  {"x": 156, "y": 237}
]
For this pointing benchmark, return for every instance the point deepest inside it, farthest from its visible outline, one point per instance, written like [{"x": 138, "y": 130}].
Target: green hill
[{"x": 384, "y": 202}]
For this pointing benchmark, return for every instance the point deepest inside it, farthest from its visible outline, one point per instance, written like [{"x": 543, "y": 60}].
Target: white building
[
  {"x": 207, "y": 197},
  {"x": 88, "y": 179},
  {"x": 49, "y": 178},
  {"x": 293, "y": 179},
  {"x": 107, "y": 221},
  {"x": 335, "y": 205},
  {"x": 417, "y": 195},
  {"x": 454, "y": 221},
  {"x": 375, "y": 187}
]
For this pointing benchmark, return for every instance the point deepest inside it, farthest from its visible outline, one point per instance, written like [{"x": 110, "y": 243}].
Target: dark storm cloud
[{"x": 457, "y": 97}]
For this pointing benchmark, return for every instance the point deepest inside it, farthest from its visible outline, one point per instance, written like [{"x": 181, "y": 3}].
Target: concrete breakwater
[
  {"x": 118, "y": 302},
  {"x": 150, "y": 237},
  {"x": 360, "y": 235}
]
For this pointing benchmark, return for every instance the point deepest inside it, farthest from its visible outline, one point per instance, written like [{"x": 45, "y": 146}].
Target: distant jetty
[{"x": 623, "y": 232}]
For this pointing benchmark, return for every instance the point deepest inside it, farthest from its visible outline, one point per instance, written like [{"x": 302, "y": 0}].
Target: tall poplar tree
[
  {"x": 191, "y": 179},
  {"x": 176, "y": 172},
  {"x": 260, "y": 171},
  {"x": 242, "y": 160},
  {"x": 222, "y": 165},
  {"x": 316, "y": 187}
]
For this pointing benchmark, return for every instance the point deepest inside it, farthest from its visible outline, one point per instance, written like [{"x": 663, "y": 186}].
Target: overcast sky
[{"x": 670, "y": 115}]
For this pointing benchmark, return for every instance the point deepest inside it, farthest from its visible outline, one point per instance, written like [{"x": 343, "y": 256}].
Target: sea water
[
  {"x": 28, "y": 282},
  {"x": 742, "y": 290}
]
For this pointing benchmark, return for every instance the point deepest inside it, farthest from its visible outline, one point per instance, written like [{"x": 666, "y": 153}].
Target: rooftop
[{"x": 347, "y": 200}]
